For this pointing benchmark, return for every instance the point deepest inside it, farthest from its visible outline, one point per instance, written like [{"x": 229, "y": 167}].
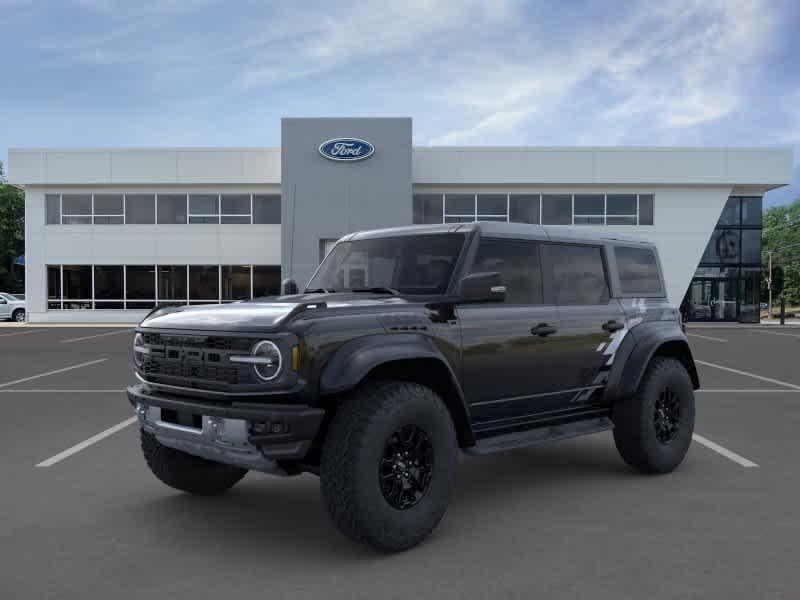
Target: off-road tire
[
  {"x": 188, "y": 473},
  {"x": 634, "y": 430},
  {"x": 351, "y": 458},
  {"x": 18, "y": 315}
]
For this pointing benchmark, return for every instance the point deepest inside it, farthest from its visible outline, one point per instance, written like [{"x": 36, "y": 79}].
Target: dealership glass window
[
  {"x": 589, "y": 209},
  {"x": 266, "y": 280},
  {"x": 140, "y": 209},
  {"x": 140, "y": 282},
  {"x": 235, "y": 208},
  {"x": 646, "y": 209},
  {"x": 723, "y": 247},
  {"x": 749, "y": 295},
  {"x": 172, "y": 284},
  {"x": 109, "y": 282},
  {"x": 751, "y": 211},
  {"x": 524, "y": 208},
  {"x": 52, "y": 204},
  {"x": 577, "y": 273},
  {"x": 266, "y": 209},
  {"x": 730, "y": 213},
  {"x": 556, "y": 209},
  {"x": 109, "y": 209},
  {"x": 204, "y": 208},
  {"x": 460, "y": 205},
  {"x": 76, "y": 209},
  {"x": 638, "y": 270},
  {"x": 54, "y": 286},
  {"x": 236, "y": 282},
  {"x": 428, "y": 208},
  {"x": 172, "y": 209},
  {"x": 203, "y": 283},
  {"x": 493, "y": 205},
  {"x": 751, "y": 246},
  {"x": 77, "y": 286}
]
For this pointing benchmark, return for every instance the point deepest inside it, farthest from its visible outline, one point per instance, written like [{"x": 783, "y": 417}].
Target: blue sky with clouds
[{"x": 476, "y": 72}]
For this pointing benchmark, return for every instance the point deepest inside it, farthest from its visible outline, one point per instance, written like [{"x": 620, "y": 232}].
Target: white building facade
[{"x": 111, "y": 233}]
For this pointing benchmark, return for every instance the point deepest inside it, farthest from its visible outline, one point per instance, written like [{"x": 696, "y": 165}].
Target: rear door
[
  {"x": 576, "y": 278},
  {"x": 506, "y": 347}
]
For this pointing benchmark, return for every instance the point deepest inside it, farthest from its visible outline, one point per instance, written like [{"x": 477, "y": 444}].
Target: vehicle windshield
[{"x": 408, "y": 264}]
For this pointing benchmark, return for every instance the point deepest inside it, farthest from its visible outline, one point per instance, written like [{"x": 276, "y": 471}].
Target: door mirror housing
[
  {"x": 482, "y": 287},
  {"x": 288, "y": 287}
]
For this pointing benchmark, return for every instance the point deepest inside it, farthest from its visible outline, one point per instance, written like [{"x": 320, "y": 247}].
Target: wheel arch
[{"x": 409, "y": 357}]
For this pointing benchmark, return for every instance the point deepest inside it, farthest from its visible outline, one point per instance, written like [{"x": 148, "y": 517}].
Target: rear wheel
[
  {"x": 19, "y": 315},
  {"x": 186, "y": 472},
  {"x": 388, "y": 464},
  {"x": 653, "y": 429}
]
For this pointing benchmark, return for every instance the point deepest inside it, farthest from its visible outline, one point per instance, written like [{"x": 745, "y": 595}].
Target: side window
[
  {"x": 518, "y": 263},
  {"x": 638, "y": 270},
  {"x": 577, "y": 273}
]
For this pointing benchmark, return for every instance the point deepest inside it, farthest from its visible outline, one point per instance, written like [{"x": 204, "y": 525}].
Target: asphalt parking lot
[{"x": 82, "y": 517}]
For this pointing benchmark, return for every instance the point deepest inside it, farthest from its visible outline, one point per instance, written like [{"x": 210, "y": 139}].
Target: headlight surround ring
[
  {"x": 139, "y": 350},
  {"x": 267, "y": 349}
]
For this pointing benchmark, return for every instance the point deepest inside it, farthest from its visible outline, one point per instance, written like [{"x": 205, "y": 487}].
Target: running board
[{"x": 549, "y": 433}]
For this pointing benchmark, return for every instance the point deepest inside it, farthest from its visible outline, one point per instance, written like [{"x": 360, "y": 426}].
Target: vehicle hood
[{"x": 263, "y": 314}]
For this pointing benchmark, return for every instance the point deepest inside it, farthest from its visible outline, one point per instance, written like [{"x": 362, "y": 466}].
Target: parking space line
[
  {"x": 23, "y": 332},
  {"x": 706, "y": 337},
  {"x": 745, "y": 373},
  {"x": 91, "y": 337},
  {"x": 46, "y": 374},
  {"x": 777, "y": 333},
  {"x": 86, "y": 443},
  {"x": 65, "y": 391},
  {"x": 730, "y": 455}
]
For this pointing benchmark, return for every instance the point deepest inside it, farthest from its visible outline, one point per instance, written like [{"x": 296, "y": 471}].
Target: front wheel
[
  {"x": 653, "y": 428},
  {"x": 388, "y": 464},
  {"x": 18, "y": 316}
]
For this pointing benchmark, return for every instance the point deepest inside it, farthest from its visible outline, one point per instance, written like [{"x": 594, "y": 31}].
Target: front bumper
[{"x": 244, "y": 434}]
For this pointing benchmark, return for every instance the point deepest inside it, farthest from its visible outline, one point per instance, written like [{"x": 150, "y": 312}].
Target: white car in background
[{"x": 12, "y": 308}]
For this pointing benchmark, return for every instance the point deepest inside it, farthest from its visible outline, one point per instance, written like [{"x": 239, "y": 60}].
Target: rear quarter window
[{"x": 638, "y": 270}]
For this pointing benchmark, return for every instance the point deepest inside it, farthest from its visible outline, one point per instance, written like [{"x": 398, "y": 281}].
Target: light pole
[{"x": 769, "y": 277}]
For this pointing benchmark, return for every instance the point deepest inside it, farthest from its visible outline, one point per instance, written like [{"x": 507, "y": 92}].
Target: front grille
[{"x": 196, "y": 361}]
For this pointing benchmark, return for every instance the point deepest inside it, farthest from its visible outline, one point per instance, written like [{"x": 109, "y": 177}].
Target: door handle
[
  {"x": 613, "y": 325},
  {"x": 543, "y": 329}
]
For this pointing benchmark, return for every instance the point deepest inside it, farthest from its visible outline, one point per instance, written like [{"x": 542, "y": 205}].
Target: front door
[{"x": 507, "y": 358}]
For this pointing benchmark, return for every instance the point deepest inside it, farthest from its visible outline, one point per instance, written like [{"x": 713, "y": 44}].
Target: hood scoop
[{"x": 398, "y": 323}]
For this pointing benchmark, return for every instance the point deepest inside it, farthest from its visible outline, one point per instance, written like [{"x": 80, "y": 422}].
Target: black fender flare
[
  {"x": 355, "y": 359},
  {"x": 636, "y": 351}
]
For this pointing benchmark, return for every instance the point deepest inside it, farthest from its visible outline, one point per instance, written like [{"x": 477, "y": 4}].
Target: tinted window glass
[
  {"x": 611, "y": 220},
  {"x": 202, "y": 207},
  {"x": 751, "y": 211},
  {"x": 235, "y": 282},
  {"x": 459, "y": 204},
  {"x": 557, "y": 209},
  {"x": 108, "y": 204},
  {"x": 52, "y": 209},
  {"x": 140, "y": 209},
  {"x": 638, "y": 270},
  {"x": 172, "y": 209},
  {"x": 646, "y": 208},
  {"x": 108, "y": 283},
  {"x": 171, "y": 283},
  {"x": 76, "y": 204},
  {"x": 141, "y": 282},
  {"x": 419, "y": 264},
  {"x": 266, "y": 280},
  {"x": 493, "y": 204},
  {"x": 236, "y": 204},
  {"x": 621, "y": 204},
  {"x": 723, "y": 247},
  {"x": 751, "y": 246},
  {"x": 266, "y": 209},
  {"x": 577, "y": 274},
  {"x": 427, "y": 208},
  {"x": 730, "y": 213},
  {"x": 518, "y": 263},
  {"x": 53, "y": 282},
  {"x": 524, "y": 209},
  {"x": 589, "y": 204},
  {"x": 203, "y": 282},
  {"x": 77, "y": 282}
]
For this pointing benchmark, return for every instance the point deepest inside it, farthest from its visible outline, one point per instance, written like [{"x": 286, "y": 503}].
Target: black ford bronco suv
[{"x": 409, "y": 346}]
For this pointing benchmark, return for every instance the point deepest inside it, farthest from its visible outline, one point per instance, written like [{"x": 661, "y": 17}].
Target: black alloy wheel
[
  {"x": 667, "y": 415},
  {"x": 406, "y": 467}
]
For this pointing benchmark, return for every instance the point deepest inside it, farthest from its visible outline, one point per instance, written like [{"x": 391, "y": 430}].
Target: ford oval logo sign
[{"x": 346, "y": 149}]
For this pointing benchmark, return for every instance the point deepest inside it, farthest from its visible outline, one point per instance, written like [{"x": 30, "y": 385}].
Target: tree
[
  {"x": 12, "y": 235},
  {"x": 781, "y": 234}
]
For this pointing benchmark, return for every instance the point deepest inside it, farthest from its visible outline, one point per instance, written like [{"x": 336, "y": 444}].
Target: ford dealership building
[{"x": 112, "y": 232}]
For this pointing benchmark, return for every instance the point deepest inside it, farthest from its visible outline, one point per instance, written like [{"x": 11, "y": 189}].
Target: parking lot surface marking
[
  {"x": 48, "y": 373},
  {"x": 730, "y": 455},
  {"x": 706, "y": 337},
  {"x": 777, "y": 333},
  {"x": 86, "y": 443},
  {"x": 91, "y": 337},
  {"x": 22, "y": 332},
  {"x": 753, "y": 375}
]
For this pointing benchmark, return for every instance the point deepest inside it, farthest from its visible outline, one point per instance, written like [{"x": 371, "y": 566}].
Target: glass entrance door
[{"x": 712, "y": 300}]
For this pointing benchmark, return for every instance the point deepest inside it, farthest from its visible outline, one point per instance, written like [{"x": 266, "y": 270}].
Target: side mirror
[
  {"x": 288, "y": 287},
  {"x": 482, "y": 287}
]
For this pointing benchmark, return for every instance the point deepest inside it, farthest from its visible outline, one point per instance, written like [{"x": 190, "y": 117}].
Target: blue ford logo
[{"x": 346, "y": 149}]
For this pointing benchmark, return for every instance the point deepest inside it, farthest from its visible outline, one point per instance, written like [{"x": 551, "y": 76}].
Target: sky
[{"x": 78, "y": 73}]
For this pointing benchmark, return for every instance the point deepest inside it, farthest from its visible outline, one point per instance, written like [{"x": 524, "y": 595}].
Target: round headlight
[
  {"x": 268, "y": 357},
  {"x": 138, "y": 350}
]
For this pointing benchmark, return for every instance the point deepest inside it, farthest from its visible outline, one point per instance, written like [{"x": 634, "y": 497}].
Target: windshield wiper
[
  {"x": 378, "y": 290},
  {"x": 319, "y": 291}
]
